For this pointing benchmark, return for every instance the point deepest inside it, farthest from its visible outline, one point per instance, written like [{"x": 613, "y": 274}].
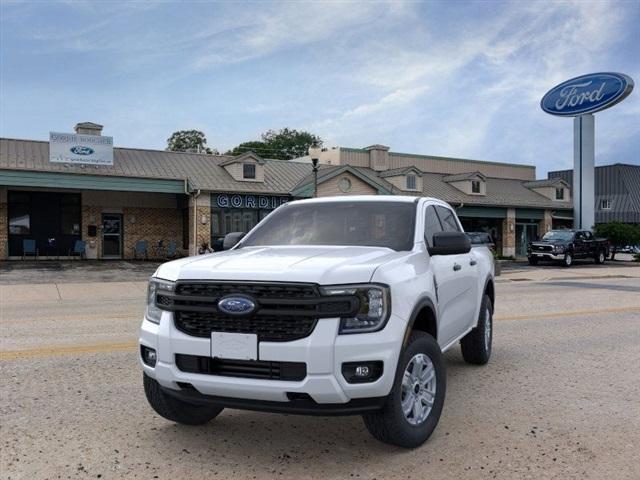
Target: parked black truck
[{"x": 564, "y": 246}]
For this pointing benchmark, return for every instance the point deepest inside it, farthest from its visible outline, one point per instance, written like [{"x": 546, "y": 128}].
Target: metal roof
[
  {"x": 618, "y": 183},
  {"x": 201, "y": 170},
  {"x": 206, "y": 172}
]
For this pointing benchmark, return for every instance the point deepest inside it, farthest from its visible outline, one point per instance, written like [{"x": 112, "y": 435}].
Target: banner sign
[
  {"x": 241, "y": 200},
  {"x": 80, "y": 149},
  {"x": 587, "y": 94}
]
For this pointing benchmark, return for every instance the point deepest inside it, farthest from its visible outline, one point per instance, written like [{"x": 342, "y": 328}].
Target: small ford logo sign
[
  {"x": 587, "y": 94},
  {"x": 236, "y": 305},
  {"x": 79, "y": 150}
]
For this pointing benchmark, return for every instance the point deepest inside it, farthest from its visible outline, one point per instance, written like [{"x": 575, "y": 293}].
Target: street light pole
[
  {"x": 314, "y": 162},
  {"x": 314, "y": 153}
]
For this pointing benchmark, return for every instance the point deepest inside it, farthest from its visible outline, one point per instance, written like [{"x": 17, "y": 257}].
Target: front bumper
[
  {"x": 324, "y": 352},
  {"x": 546, "y": 255}
]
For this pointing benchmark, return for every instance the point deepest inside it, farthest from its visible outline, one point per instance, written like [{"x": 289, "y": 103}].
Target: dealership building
[{"x": 79, "y": 187}]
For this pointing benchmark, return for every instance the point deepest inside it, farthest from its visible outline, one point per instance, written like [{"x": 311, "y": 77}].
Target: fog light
[
  {"x": 149, "y": 355},
  {"x": 362, "y": 372}
]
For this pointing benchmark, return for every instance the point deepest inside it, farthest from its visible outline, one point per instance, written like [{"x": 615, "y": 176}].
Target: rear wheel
[
  {"x": 476, "y": 345},
  {"x": 413, "y": 407},
  {"x": 567, "y": 261},
  {"x": 176, "y": 410}
]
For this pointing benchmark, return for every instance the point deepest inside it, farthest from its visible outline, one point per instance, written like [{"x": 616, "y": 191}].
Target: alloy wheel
[{"x": 418, "y": 389}]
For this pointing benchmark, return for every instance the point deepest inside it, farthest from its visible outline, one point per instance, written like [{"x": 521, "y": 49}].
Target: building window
[
  {"x": 475, "y": 186},
  {"x": 605, "y": 204},
  {"x": 411, "y": 182},
  {"x": 249, "y": 170},
  {"x": 559, "y": 193}
]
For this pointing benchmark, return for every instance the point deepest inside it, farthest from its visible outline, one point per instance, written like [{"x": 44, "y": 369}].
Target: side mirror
[
  {"x": 450, "y": 243},
  {"x": 232, "y": 239}
]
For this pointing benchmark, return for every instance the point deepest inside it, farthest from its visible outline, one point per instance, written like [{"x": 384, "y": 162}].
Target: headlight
[
  {"x": 156, "y": 286},
  {"x": 559, "y": 248},
  {"x": 374, "y": 307}
]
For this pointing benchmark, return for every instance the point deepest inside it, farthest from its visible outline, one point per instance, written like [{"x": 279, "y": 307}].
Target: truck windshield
[
  {"x": 375, "y": 224},
  {"x": 558, "y": 235}
]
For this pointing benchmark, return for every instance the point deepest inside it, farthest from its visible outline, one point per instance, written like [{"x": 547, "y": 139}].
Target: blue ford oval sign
[
  {"x": 236, "y": 305},
  {"x": 587, "y": 94},
  {"x": 80, "y": 150}
]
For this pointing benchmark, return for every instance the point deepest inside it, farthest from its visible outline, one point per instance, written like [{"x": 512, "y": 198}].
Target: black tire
[
  {"x": 389, "y": 425},
  {"x": 532, "y": 260},
  {"x": 176, "y": 410},
  {"x": 567, "y": 261},
  {"x": 476, "y": 349},
  {"x": 600, "y": 257}
]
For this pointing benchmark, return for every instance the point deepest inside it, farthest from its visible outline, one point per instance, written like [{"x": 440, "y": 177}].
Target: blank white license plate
[{"x": 234, "y": 346}]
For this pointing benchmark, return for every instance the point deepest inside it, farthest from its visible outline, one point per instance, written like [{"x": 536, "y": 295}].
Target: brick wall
[
  {"x": 152, "y": 225},
  {"x": 4, "y": 227},
  {"x": 509, "y": 233}
]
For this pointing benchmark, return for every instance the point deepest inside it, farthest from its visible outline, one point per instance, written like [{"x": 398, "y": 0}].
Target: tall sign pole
[
  {"x": 583, "y": 171},
  {"x": 580, "y": 97}
]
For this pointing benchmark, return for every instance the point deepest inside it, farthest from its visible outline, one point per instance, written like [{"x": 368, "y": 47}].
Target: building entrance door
[
  {"x": 525, "y": 233},
  {"x": 111, "y": 235}
]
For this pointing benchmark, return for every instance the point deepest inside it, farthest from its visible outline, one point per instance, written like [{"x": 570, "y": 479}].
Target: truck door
[{"x": 455, "y": 277}]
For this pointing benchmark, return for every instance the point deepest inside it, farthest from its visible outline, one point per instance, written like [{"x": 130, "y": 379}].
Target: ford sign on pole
[
  {"x": 76, "y": 148},
  {"x": 587, "y": 94},
  {"x": 580, "y": 97}
]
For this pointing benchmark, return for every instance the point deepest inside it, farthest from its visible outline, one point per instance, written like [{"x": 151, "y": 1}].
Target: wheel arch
[
  {"x": 490, "y": 289},
  {"x": 423, "y": 318}
]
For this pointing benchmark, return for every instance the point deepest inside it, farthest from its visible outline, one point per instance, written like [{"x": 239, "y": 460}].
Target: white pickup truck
[{"x": 331, "y": 306}]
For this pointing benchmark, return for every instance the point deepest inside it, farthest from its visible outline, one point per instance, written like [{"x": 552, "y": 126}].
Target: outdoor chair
[
  {"x": 158, "y": 250},
  {"x": 172, "y": 249},
  {"x": 29, "y": 248},
  {"x": 142, "y": 249},
  {"x": 79, "y": 248}
]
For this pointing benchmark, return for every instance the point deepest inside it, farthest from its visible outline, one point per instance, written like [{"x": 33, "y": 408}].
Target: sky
[{"x": 451, "y": 78}]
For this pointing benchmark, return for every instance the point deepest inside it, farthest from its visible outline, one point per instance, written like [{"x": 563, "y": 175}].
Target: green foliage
[
  {"x": 188, "y": 141},
  {"x": 284, "y": 144},
  {"x": 619, "y": 234},
  {"x": 259, "y": 148}
]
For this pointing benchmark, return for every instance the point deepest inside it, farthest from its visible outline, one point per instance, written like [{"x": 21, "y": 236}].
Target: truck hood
[{"x": 325, "y": 265}]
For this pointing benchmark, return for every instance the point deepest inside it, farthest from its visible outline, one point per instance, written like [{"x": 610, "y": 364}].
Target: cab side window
[
  {"x": 448, "y": 219},
  {"x": 431, "y": 225}
]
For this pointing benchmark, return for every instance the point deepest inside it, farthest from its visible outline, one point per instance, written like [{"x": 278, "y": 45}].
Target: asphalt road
[{"x": 559, "y": 399}]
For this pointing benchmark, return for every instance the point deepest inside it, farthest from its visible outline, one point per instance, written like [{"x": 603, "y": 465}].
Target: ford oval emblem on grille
[{"x": 236, "y": 305}]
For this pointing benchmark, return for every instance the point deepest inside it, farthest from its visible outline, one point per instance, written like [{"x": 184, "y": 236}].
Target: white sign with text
[{"x": 80, "y": 149}]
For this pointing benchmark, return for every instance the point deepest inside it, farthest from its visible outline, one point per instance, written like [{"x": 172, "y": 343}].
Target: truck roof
[{"x": 367, "y": 198}]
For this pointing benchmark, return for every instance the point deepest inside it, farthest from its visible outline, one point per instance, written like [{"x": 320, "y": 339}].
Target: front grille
[
  {"x": 284, "y": 311},
  {"x": 269, "y": 328},
  {"x": 543, "y": 248},
  {"x": 288, "y": 371}
]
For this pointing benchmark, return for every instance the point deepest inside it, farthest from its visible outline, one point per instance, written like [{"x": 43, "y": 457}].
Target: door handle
[
  {"x": 473, "y": 262},
  {"x": 456, "y": 267}
]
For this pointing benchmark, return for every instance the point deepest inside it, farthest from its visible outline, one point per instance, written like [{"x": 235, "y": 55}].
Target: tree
[
  {"x": 284, "y": 144},
  {"x": 188, "y": 141},
  {"x": 257, "y": 147},
  {"x": 619, "y": 234}
]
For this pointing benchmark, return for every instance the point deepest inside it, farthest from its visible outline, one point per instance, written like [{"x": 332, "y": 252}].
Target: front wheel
[
  {"x": 567, "y": 261},
  {"x": 413, "y": 407},
  {"x": 176, "y": 410},
  {"x": 533, "y": 260},
  {"x": 600, "y": 257}
]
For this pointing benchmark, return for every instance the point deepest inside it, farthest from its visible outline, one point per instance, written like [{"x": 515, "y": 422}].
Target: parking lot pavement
[{"x": 559, "y": 398}]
